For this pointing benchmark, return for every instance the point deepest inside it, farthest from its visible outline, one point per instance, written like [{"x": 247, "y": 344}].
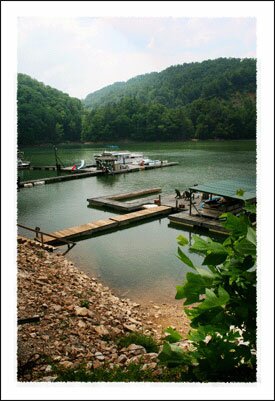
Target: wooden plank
[
  {"x": 83, "y": 229},
  {"x": 135, "y": 194},
  {"x": 130, "y": 217},
  {"x": 199, "y": 221}
]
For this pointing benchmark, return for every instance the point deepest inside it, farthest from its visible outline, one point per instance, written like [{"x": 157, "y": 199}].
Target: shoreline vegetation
[
  {"x": 83, "y": 325},
  {"x": 213, "y": 99}
]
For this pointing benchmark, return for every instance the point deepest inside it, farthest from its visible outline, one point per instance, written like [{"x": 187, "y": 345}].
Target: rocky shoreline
[{"x": 80, "y": 320}]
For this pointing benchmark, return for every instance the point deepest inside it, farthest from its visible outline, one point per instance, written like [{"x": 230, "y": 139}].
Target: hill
[
  {"x": 46, "y": 114},
  {"x": 214, "y": 99},
  {"x": 211, "y": 99}
]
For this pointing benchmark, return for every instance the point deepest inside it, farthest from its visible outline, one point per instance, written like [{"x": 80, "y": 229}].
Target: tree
[{"x": 223, "y": 314}]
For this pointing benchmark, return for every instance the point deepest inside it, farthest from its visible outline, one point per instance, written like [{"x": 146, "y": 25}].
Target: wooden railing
[{"x": 39, "y": 233}]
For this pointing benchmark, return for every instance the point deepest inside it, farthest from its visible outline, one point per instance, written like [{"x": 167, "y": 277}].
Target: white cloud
[{"x": 81, "y": 55}]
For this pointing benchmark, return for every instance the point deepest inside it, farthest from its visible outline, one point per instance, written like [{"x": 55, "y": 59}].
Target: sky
[{"x": 80, "y": 55}]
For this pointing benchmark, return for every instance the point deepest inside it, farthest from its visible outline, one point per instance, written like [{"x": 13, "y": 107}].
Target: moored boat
[{"x": 21, "y": 163}]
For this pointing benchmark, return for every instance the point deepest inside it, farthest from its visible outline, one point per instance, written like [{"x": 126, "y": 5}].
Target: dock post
[
  {"x": 159, "y": 200},
  {"x": 37, "y": 229}
]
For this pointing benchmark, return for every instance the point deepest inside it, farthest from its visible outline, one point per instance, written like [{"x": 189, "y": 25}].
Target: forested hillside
[
  {"x": 214, "y": 99},
  {"x": 46, "y": 115}
]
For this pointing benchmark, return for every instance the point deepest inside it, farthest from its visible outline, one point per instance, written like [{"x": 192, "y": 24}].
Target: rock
[
  {"x": 130, "y": 327},
  {"x": 66, "y": 364},
  {"x": 57, "y": 308},
  {"x": 81, "y": 311},
  {"x": 96, "y": 364},
  {"x": 69, "y": 334},
  {"x": 136, "y": 349},
  {"x": 81, "y": 324},
  {"x": 151, "y": 365},
  {"x": 133, "y": 321},
  {"x": 99, "y": 356},
  {"x": 122, "y": 358},
  {"x": 48, "y": 379},
  {"x": 45, "y": 337},
  {"x": 89, "y": 365},
  {"x": 116, "y": 330},
  {"x": 101, "y": 330}
]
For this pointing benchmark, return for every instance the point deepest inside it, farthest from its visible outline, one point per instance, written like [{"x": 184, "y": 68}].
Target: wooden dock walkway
[
  {"x": 60, "y": 178},
  {"x": 105, "y": 225},
  {"x": 114, "y": 202},
  {"x": 193, "y": 220},
  {"x": 83, "y": 173}
]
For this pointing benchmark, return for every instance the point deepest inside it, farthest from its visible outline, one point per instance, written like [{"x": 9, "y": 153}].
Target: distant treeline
[
  {"x": 215, "y": 99},
  {"x": 45, "y": 114}
]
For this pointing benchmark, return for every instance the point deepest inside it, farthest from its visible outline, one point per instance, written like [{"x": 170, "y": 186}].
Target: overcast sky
[{"x": 81, "y": 55}]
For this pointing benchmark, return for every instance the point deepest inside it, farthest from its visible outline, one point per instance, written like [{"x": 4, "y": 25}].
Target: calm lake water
[{"x": 139, "y": 262}]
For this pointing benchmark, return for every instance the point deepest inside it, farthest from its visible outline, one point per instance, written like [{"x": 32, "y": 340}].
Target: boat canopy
[{"x": 229, "y": 188}]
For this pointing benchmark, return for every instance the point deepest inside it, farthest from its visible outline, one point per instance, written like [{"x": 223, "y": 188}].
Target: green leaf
[
  {"x": 172, "y": 355},
  {"x": 212, "y": 300},
  {"x": 199, "y": 245},
  {"x": 237, "y": 226},
  {"x": 215, "y": 259},
  {"x": 245, "y": 247},
  {"x": 250, "y": 207},
  {"x": 180, "y": 292},
  {"x": 173, "y": 336},
  {"x": 251, "y": 235},
  {"x": 185, "y": 258},
  {"x": 206, "y": 274},
  {"x": 240, "y": 192},
  {"x": 194, "y": 286},
  {"x": 182, "y": 240}
]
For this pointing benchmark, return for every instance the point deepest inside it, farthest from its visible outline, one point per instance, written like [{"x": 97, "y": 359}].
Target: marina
[{"x": 139, "y": 256}]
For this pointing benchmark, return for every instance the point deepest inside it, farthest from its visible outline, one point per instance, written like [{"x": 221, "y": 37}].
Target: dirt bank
[{"x": 80, "y": 320}]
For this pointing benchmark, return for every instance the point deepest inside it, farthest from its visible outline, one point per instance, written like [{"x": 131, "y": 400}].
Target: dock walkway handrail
[{"x": 37, "y": 231}]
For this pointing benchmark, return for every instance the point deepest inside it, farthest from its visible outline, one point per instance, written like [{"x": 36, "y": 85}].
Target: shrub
[
  {"x": 139, "y": 339},
  {"x": 223, "y": 316}
]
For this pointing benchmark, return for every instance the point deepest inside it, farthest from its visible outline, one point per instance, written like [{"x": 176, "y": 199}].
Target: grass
[
  {"x": 139, "y": 339},
  {"x": 85, "y": 303},
  {"x": 132, "y": 373}
]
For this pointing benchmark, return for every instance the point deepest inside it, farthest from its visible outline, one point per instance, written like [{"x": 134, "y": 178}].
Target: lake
[{"x": 139, "y": 262}]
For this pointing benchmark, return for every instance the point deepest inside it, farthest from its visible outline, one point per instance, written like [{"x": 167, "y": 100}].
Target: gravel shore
[{"x": 79, "y": 319}]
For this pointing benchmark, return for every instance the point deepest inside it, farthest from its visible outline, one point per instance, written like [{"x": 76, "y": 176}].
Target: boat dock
[
  {"x": 105, "y": 225},
  {"x": 83, "y": 173},
  {"x": 115, "y": 202},
  {"x": 184, "y": 219},
  {"x": 60, "y": 178}
]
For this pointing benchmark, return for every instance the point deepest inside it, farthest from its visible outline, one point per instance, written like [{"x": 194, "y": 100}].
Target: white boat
[
  {"x": 150, "y": 162},
  {"x": 21, "y": 163},
  {"x": 124, "y": 157}
]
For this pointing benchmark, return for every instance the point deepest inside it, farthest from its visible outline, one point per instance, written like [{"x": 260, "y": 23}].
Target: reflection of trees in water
[{"x": 108, "y": 180}]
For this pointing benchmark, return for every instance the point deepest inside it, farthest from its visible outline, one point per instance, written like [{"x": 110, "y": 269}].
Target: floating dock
[
  {"x": 83, "y": 173},
  {"x": 114, "y": 202},
  {"x": 185, "y": 219},
  {"x": 60, "y": 178},
  {"x": 105, "y": 225}
]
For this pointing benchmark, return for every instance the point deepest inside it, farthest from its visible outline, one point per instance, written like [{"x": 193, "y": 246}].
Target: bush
[
  {"x": 139, "y": 339},
  {"x": 223, "y": 313}
]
